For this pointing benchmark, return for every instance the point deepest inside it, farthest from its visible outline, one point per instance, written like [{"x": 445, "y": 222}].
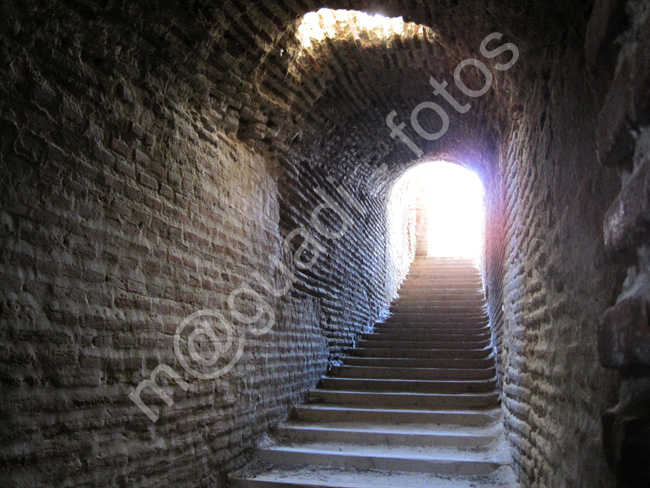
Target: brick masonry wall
[
  {"x": 357, "y": 275},
  {"x": 127, "y": 204},
  {"x": 114, "y": 230},
  {"x": 549, "y": 281}
]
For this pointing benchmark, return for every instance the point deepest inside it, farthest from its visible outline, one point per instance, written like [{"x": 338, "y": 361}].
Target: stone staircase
[{"x": 413, "y": 405}]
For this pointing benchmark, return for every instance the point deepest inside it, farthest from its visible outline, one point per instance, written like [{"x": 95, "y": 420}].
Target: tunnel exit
[{"x": 449, "y": 207}]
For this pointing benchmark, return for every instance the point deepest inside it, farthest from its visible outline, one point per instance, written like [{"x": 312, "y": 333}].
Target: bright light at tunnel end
[{"x": 451, "y": 199}]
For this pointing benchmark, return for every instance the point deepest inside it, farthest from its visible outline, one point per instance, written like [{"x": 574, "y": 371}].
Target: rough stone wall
[
  {"x": 618, "y": 53},
  {"x": 125, "y": 209},
  {"x": 549, "y": 280}
]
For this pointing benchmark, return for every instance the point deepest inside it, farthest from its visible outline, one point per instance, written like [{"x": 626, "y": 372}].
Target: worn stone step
[
  {"x": 438, "y": 362},
  {"x": 393, "y": 328},
  {"x": 414, "y": 314},
  {"x": 421, "y": 262},
  {"x": 427, "y": 292},
  {"x": 403, "y": 458},
  {"x": 426, "y": 297},
  {"x": 405, "y": 332},
  {"x": 427, "y": 329},
  {"x": 337, "y": 477},
  {"x": 398, "y": 399},
  {"x": 457, "y": 345},
  {"x": 410, "y": 353},
  {"x": 476, "y": 312},
  {"x": 392, "y": 335},
  {"x": 449, "y": 418},
  {"x": 406, "y": 386},
  {"x": 374, "y": 372},
  {"x": 433, "y": 293},
  {"x": 451, "y": 303},
  {"x": 438, "y": 306},
  {"x": 388, "y": 435},
  {"x": 428, "y": 320},
  {"x": 437, "y": 321},
  {"x": 444, "y": 279},
  {"x": 442, "y": 283}
]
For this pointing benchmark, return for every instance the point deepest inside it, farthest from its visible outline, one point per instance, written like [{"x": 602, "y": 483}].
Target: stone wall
[
  {"x": 618, "y": 53},
  {"x": 549, "y": 281}
]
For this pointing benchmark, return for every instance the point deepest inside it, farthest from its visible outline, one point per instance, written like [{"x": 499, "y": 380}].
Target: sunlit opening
[
  {"x": 452, "y": 197},
  {"x": 328, "y": 23}
]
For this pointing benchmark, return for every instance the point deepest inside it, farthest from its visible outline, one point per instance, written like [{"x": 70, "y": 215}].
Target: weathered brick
[
  {"x": 120, "y": 147},
  {"x": 148, "y": 181},
  {"x": 141, "y": 158}
]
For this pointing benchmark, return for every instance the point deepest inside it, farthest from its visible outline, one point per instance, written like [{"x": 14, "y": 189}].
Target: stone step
[
  {"x": 391, "y": 328},
  {"x": 432, "y": 327},
  {"x": 437, "y": 308},
  {"x": 406, "y": 333},
  {"x": 337, "y": 477},
  {"x": 412, "y": 373},
  {"x": 414, "y": 314},
  {"x": 433, "y": 321},
  {"x": 397, "y": 362},
  {"x": 402, "y": 399},
  {"x": 387, "y": 435},
  {"x": 391, "y": 335},
  {"x": 456, "y": 264},
  {"x": 404, "y": 458},
  {"x": 473, "y": 291},
  {"x": 406, "y": 386},
  {"x": 421, "y": 314},
  {"x": 449, "y": 418},
  {"x": 432, "y": 292},
  {"x": 430, "y": 296},
  {"x": 409, "y": 353},
  {"x": 425, "y": 319},
  {"x": 443, "y": 277},
  {"x": 459, "y": 345}
]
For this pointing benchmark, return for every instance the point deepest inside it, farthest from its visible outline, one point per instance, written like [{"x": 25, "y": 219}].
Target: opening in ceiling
[{"x": 325, "y": 23}]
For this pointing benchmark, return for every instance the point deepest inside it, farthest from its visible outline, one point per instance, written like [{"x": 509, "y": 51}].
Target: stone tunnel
[{"x": 237, "y": 161}]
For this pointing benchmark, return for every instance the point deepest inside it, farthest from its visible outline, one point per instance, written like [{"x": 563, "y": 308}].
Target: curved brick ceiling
[{"x": 329, "y": 106}]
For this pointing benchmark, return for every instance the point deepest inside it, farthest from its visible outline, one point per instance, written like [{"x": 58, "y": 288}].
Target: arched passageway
[{"x": 169, "y": 165}]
